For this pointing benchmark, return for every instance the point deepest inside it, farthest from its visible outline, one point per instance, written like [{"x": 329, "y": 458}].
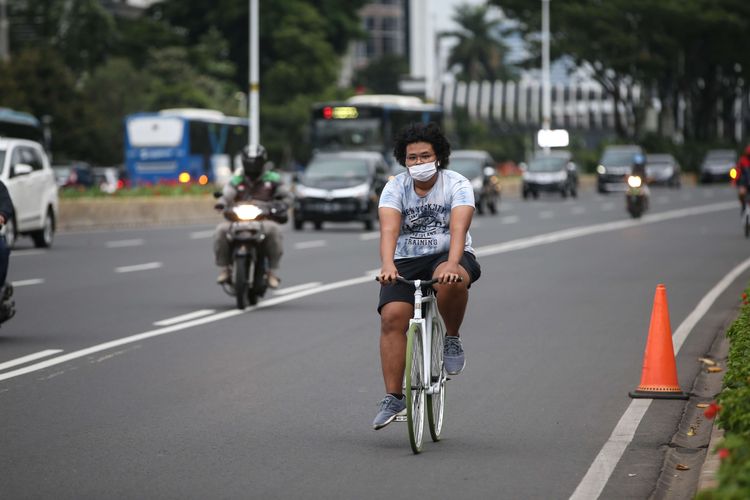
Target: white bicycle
[{"x": 424, "y": 376}]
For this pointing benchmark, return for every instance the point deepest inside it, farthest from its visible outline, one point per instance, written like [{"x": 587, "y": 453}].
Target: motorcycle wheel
[{"x": 240, "y": 282}]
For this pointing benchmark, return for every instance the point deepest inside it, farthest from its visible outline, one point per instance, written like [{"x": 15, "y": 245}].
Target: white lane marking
[
  {"x": 124, "y": 243},
  {"x": 35, "y": 281},
  {"x": 184, "y": 317},
  {"x": 370, "y": 236},
  {"x": 24, "y": 253},
  {"x": 30, "y": 357},
  {"x": 372, "y": 272},
  {"x": 139, "y": 267},
  {"x": 198, "y": 235},
  {"x": 606, "y": 207},
  {"x": 577, "y": 232},
  {"x": 367, "y": 278},
  {"x": 297, "y": 288},
  {"x": 302, "y": 245},
  {"x": 578, "y": 210},
  {"x": 509, "y": 219},
  {"x": 604, "y": 464},
  {"x": 546, "y": 214}
]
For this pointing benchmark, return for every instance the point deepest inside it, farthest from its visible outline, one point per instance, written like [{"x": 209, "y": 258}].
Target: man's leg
[
  {"x": 394, "y": 320},
  {"x": 274, "y": 249},
  {"x": 452, "y": 299},
  {"x": 4, "y": 261},
  {"x": 222, "y": 252}
]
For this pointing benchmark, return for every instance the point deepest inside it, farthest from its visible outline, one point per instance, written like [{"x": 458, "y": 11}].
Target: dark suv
[
  {"x": 615, "y": 164},
  {"x": 340, "y": 187}
]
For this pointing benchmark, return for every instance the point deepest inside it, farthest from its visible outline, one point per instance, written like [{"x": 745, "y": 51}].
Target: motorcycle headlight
[
  {"x": 634, "y": 181},
  {"x": 601, "y": 170},
  {"x": 247, "y": 212}
]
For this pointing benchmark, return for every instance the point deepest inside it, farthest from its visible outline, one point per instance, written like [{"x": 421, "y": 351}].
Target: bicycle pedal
[{"x": 400, "y": 418}]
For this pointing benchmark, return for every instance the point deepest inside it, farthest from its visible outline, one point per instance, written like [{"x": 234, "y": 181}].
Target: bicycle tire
[
  {"x": 414, "y": 387},
  {"x": 436, "y": 402}
]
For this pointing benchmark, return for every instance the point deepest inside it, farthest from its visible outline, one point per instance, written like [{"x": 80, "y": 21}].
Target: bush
[
  {"x": 162, "y": 190},
  {"x": 734, "y": 416}
]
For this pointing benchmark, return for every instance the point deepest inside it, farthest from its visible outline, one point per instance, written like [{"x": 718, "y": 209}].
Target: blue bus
[
  {"x": 21, "y": 125},
  {"x": 182, "y": 145},
  {"x": 368, "y": 122}
]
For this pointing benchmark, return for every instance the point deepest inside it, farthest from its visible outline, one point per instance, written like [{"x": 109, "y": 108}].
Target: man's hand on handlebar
[
  {"x": 451, "y": 273},
  {"x": 388, "y": 274}
]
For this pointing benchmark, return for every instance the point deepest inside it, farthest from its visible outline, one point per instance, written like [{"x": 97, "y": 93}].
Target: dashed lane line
[
  {"x": 139, "y": 267},
  {"x": 29, "y": 282},
  {"x": 28, "y": 358},
  {"x": 184, "y": 317}
]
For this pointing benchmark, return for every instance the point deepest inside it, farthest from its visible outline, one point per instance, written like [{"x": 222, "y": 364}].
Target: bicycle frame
[{"x": 425, "y": 325}]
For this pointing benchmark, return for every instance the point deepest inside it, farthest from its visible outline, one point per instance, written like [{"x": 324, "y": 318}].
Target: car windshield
[
  {"x": 546, "y": 164},
  {"x": 720, "y": 156},
  {"x": 468, "y": 167},
  {"x": 618, "y": 157},
  {"x": 345, "y": 168}
]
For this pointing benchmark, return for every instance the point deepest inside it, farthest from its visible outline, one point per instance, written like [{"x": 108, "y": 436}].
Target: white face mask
[{"x": 422, "y": 172}]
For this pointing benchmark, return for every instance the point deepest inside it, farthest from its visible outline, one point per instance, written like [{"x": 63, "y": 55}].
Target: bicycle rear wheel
[
  {"x": 436, "y": 401},
  {"x": 414, "y": 387}
]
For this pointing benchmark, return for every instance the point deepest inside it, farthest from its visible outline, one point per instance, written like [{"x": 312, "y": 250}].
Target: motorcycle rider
[
  {"x": 6, "y": 289},
  {"x": 252, "y": 182},
  {"x": 638, "y": 169},
  {"x": 743, "y": 178}
]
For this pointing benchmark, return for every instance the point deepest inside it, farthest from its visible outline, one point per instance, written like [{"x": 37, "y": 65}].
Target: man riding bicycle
[{"x": 425, "y": 214}]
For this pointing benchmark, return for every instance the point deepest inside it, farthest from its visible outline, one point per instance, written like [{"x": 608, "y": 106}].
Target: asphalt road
[{"x": 108, "y": 390}]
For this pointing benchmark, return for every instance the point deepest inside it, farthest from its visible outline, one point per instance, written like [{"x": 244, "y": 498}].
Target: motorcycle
[
  {"x": 636, "y": 196},
  {"x": 246, "y": 235},
  {"x": 7, "y": 304}
]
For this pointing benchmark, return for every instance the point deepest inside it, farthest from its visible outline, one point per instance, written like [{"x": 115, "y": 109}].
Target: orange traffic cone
[{"x": 659, "y": 375}]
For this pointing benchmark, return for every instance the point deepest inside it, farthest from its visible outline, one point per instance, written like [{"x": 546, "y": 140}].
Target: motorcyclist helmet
[
  {"x": 639, "y": 160},
  {"x": 254, "y": 157}
]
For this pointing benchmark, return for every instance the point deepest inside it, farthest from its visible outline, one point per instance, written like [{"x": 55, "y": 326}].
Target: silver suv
[{"x": 26, "y": 171}]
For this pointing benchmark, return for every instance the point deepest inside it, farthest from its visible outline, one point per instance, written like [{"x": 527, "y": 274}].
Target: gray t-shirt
[{"x": 425, "y": 220}]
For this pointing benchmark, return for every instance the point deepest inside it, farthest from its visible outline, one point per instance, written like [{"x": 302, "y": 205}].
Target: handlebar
[{"x": 414, "y": 282}]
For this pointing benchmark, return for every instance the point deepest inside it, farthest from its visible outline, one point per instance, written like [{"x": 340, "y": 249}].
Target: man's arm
[
  {"x": 459, "y": 226},
  {"x": 390, "y": 226}
]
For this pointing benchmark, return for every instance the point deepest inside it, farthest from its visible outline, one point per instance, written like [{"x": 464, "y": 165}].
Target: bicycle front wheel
[
  {"x": 436, "y": 400},
  {"x": 414, "y": 387}
]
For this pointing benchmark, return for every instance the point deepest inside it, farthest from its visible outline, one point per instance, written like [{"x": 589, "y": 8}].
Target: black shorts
[{"x": 422, "y": 268}]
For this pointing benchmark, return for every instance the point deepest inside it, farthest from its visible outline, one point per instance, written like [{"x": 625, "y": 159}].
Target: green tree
[
  {"x": 81, "y": 31},
  {"x": 683, "y": 49},
  {"x": 382, "y": 75},
  {"x": 480, "y": 51}
]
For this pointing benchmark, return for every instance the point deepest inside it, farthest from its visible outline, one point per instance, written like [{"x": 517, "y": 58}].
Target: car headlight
[{"x": 601, "y": 170}]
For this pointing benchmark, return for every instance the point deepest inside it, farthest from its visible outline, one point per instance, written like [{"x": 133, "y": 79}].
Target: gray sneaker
[
  {"x": 453, "y": 355},
  {"x": 390, "y": 408}
]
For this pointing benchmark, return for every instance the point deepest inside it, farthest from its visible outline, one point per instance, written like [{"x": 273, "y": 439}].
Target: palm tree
[{"x": 480, "y": 52}]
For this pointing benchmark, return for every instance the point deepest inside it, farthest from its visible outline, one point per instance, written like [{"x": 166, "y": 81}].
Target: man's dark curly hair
[{"x": 422, "y": 132}]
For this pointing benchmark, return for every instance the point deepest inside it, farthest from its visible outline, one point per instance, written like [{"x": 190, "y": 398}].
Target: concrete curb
[
  {"x": 112, "y": 213},
  {"x": 696, "y": 437}
]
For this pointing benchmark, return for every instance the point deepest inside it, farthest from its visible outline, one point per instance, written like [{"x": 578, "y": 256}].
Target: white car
[{"x": 25, "y": 170}]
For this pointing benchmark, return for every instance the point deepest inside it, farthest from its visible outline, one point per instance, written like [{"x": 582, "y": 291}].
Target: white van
[{"x": 25, "y": 170}]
